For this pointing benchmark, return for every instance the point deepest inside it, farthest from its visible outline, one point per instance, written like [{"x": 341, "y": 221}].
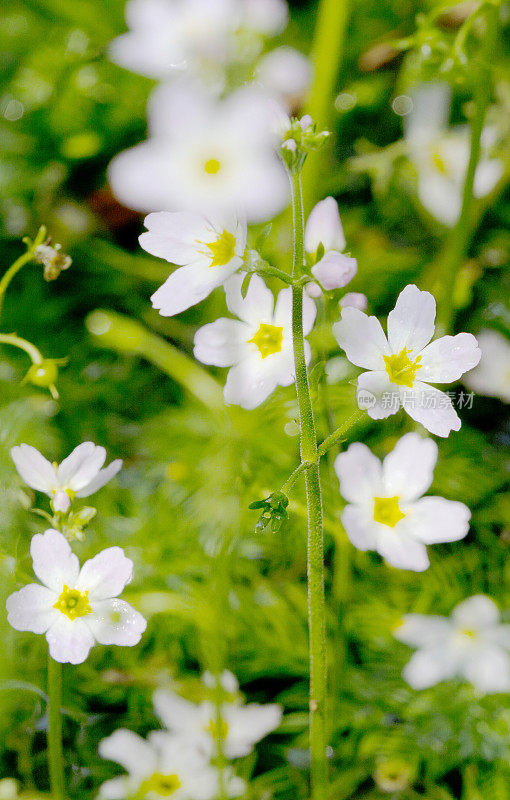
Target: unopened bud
[
  {"x": 324, "y": 226},
  {"x": 335, "y": 270},
  {"x": 61, "y": 501},
  {"x": 354, "y": 300},
  {"x": 44, "y": 374}
]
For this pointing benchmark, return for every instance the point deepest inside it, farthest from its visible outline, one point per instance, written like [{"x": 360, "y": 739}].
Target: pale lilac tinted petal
[
  {"x": 221, "y": 343},
  {"x": 401, "y": 551},
  {"x": 432, "y": 520},
  {"x": 423, "y": 630},
  {"x": 101, "y": 479},
  {"x": 489, "y": 670},
  {"x": 130, "y": 751},
  {"x": 335, "y": 270},
  {"x": 258, "y": 304},
  {"x": 377, "y": 395},
  {"x": 54, "y": 562},
  {"x": 477, "y": 612},
  {"x": 359, "y": 473},
  {"x": 324, "y": 226},
  {"x": 360, "y": 527},
  {"x": 409, "y": 468},
  {"x": 411, "y": 323},
  {"x": 430, "y": 666},
  {"x": 35, "y": 470},
  {"x": 70, "y": 641},
  {"x": 448, "y": 358},
  {"x": 105, "y": 575},
  {"x": 362, "y": 338},
  {"x": 433, "y": 408},
  {"x": 31, "y": 609},
  {"x": 116, "y": 622},
  {"x": 354, "y": 299}
]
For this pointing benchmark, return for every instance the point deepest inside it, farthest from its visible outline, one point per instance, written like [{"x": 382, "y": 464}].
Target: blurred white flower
[
  {"x": 79, "y": 475},
  {"x": 492, "y": 375},
  {"x": 242, "y": 725},
  {"x": 205, "y": 153},
  {"x": 268, "y": 17},
  {"x": 402, "y": 365},
  {"x": 471, "y": 643},
  {"x": 324, "y": 230},
  {"x": 161, "y": 766},
  {"x": 226, "y": 681},
  {"x": 386, "y": 510},
  {"x": 208, "y": 249},
  {"x": 441, "y": 154},
  {"x": 257, "y": 346},
  {"x": 287, "y": 73},
  {"x": 355, "y": 300},
  {"x": 76, "y": 607}
]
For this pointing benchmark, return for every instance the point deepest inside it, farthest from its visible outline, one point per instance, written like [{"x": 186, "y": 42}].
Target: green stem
[
  {"x": 20, "y": 262},
  {"x": 55, "y": 751},
  {"x": 316, "y": 598},
  {"x": 340, "y": 432},
  {"x": 461, "y": 235},
  {"x": 29, "y": 348}
]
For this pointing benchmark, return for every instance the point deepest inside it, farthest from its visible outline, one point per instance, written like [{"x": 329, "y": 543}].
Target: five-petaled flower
[
  {"x": 76, "y": 607},
  {"x": 471, "y": 644},
  {"x": 208, "y": 249},
  {"x": 386, "y": 510},
  {"x": 79, "y": 475},
  {"x": 257, "y": 346},
  {"x": 403, "y": 364}
]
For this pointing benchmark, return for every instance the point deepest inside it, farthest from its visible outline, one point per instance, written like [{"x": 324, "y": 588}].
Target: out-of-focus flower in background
[
  {"x": 441, "y": 154},
  {"x": 205, "y": 153},
  {"x": 287, "y": 73},
  {"x": 386, "y": 511},
  {"x": 492, "y": 375},
  {"x": 471, "y": 644},
  {"x": 258, "y": 346}
]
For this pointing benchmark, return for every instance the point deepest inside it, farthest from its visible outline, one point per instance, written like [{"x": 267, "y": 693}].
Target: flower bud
[
  {"x": 324, "y": 227},
  {"x": 44, "y": 374},
  {"x": 335, "y": 270},
  {"x": 313, "y": 289},
  {"x": 354, "y": 300},
  {"x": 61, "y": 501}
]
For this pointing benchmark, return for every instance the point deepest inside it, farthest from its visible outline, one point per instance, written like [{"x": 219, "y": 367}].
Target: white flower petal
[
  {"x": 54, "y": 562},
  {"x": 248, "y": 725},
  {"x": 377, "y": 395},
  {"x": 173, "y": 235},
  {"x": 130, "y": 751},
  {"x": 489, "y": 670},
  {"x": 360, "y": 527},
  {"x": 251, "y": 382},
  {"x": 430, "y": 666},
  {"x": 400, "y": 551},
  {"x": 440, "y": 195},
  {"x": 101, "y": 479},
  {"x": 286, "y": 72},
  {"x": 35, "y": 470},
  {"x": 362, "y": 338},
  {"x": 359, "y": 473},
  {"x": 31, "y": 608},
  {"x": 335, "y": 270},
  {"x": 488, "y": 173},
  {"x": 431, "y": 407},
  {"x": 411, "y": 323},
  {"x": 221, "y": 343},
  {"x": 268, "y": 17},
  {"x": 258, "y": 304},
  {"x": 477, "y": 612},
  {"x": 175, "y": 712},
  {"x": 492, "y": 376},
  {"x": 81, "y": 466},
  {"x": 423, "y": 630},
  {"x": 188, "y": 286},
  {"x": 105, "y": 575},
  {"x": 137, "y": 177},
  {"x": 499, "y": 635},
  {"x": 116, "y": 789},
  {"x": 324, "y": 226},
  {"x": 283, "y": 310},
  {"x": 409, "y": 468},
  {"x": 430, "y": 112},
  {"x": 70, "y": 641},
  {"x": 116, "y": 622},
  {"x": 448, "y": 358},
  {"x": 434, "y": 519}
]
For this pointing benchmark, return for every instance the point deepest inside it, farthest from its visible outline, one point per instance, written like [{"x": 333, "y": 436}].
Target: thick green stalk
[
  {"x": 462, "y": 232},
  {"x": 316, "y": 599},
  {"x": 55, "y": 751}
]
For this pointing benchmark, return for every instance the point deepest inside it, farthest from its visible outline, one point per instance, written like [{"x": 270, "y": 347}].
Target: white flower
[
  {"x": 76, "y": 607},
  {"x": 161, "y": 766},
  {"x": 268, "y": 17},
  {"x": 243, "y": 725},
  {"x": 354, "y": 299},
  {"x": 492, "y": 376},
  {"x": 386, "y": 510},
  {"x": 79, "y": 475},
  {"x": 287, "y": 73},
  {"x": 441, "y": 154},
  {"x": 205, "y": 153},
  {"x": 209, "y": 249},
  {"x": 258, "y": 345},
  {"x": 403, "y": 364},
  {"x": 324, "y": 228},
  {"x": 470, "y": 644}
]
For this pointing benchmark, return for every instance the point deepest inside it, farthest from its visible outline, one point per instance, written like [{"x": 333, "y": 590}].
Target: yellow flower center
[
  {"x": 268, "y": 339},
  {"x": 439, "y": 162},
  {"x": 212, "y": 166},
  {"x": 387, "y": 511},
  {"x": 401, "y": 370},
  {"x": 469, "y": 633},
  {"x": 222, "y": 250},
  {"x": 217, "y": 729},
  {"x": 164, "y": 785},
  {"x": 73, "y": 603}
]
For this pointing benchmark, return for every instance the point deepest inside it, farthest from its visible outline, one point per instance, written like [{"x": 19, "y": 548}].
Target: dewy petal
[
  {"x": 430, "y": 666},
  {"x": 479, "y": 612},
  {"x": 81, "y": 466},
  {"x": 35, "y": 470},
  {"x": 433, "y": 408},
  {"x": 130, "y": 751},
  {"x": 448, "y": 358},
  {"x": 488, "y": 669},
  {"x": 359, "y": 473},
  {"x": 55, "y": 564},
  {"x": 105, "y": 575},
  {"x": 360, "y": 527},
  {"x": 409, "y": 468},
  {"x": 221, "y": 343},
  {"x": 432, "y": 520},
  {"x": 251, "y": 382},
  {"x": 101, "y": 479},
  {"x": 70, "y": 641},
  {"x": 362, "y": 338},
  {"x": 258, "y": 304},
  {"x": 400, "y": 551},
  {"x": 411, "y": 323},
  {"x": 377, "y": 395},
  {"x": 116, "y": 622},
  {"x": 31, "y": 609},
  {"x": 423, "y": 630}
]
